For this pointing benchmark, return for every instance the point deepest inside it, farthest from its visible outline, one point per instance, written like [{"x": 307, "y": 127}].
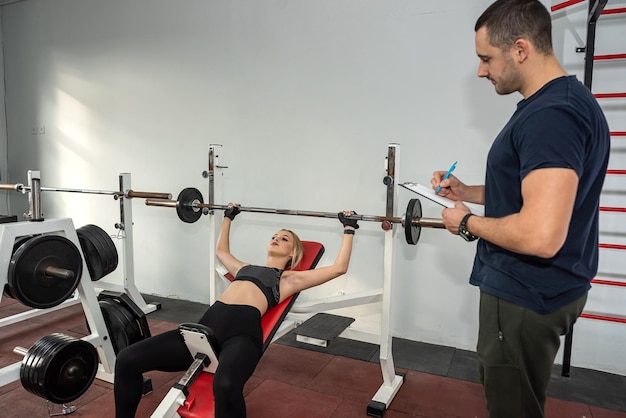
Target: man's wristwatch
[{"x": 463, "y": 232}]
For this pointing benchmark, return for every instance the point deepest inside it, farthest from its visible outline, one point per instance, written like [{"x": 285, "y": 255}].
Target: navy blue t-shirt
[{"x": 561, "y": 125}]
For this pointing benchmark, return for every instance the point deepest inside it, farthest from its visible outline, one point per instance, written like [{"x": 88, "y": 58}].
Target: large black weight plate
[
  {"x": 27, "y": 276},
  {"x": 184, "y": 208},
  {"x": 412, "y": 231},
  {"x": 102, "y": 257},
  {"x": 40, "y": 357},
  {"x": 59, "y": 368},
  {"x": 125, "y": 322},
  {"x": 18, "y": 242},
  {"x": 133, "y": 329},
  {"x": 108, "y": 247},
  {"x": 116, "y": 324},
  {"x": 27, "y": 369},
  {"x": 123, "y": 330},
  {"x": 71, "y": 371},
  {"x": 93, "y": 255},
  {"x": 99, "y": 250}
]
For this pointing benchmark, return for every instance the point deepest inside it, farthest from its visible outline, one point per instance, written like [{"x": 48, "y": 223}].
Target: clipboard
[{"x": 430, "y": 194}]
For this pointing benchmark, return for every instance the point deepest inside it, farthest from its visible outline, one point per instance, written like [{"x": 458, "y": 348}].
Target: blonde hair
[{"x": 298, "y": 251}]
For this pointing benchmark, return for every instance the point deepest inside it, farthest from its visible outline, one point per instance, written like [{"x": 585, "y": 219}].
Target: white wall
[{"x": 304, "y": 97}]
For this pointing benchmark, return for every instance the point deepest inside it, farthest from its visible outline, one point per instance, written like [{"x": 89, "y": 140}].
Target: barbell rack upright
[{"x": 215, "y": 193}]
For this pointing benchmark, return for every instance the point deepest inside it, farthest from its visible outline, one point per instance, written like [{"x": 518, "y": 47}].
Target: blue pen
[{"x": 452, "y": 167}]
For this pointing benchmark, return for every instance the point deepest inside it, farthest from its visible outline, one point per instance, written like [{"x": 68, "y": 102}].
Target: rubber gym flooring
[{"x": 294, "y": 380}]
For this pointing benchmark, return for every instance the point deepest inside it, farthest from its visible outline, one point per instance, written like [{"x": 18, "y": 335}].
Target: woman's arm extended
[
  {"x": 222, "y": 250},
  {"x": 297, "y": 281}
]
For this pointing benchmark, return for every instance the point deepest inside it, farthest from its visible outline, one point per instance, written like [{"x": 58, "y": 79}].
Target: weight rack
[{"x": 99, "y": 336}]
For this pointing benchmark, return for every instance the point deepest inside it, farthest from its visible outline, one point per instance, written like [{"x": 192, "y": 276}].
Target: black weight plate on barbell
[
  {"x": 27, "y": 278},
  {"x": 27, "y": 365},
  {"x": 412, "y": 231},
  {"x": 18, "y": 242},
  {"x": 71, "y": 370},
  {"x": 41, "y": 356},
  {"x": 184, "y": 206},
  {"x": 92, "y": 254},
  {"x": 33, "y": 358},
  {"x": 59, "y": 368}
]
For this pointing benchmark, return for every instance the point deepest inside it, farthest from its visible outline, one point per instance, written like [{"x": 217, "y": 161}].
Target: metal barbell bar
[
  {"x": 128, "y": 194},
  {"x": 58, "y": 273},
  {"x": 190, "y": 207}
]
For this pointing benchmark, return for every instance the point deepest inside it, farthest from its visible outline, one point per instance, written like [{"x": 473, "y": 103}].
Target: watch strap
[{"x": 463, "y": 232}]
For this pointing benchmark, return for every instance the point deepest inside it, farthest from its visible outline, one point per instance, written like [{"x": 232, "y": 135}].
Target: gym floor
[{"x": 293, "y": 380}]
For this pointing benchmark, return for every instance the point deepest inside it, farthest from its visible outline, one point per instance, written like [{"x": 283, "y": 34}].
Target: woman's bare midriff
[{"x": 244, "y": 293}]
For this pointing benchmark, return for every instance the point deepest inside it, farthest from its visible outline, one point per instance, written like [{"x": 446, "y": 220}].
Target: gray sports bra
[{"x": 266, "y": 278}]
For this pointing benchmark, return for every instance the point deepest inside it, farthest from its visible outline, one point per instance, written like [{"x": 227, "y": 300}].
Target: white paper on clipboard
[{"x": 430, "y": 194}]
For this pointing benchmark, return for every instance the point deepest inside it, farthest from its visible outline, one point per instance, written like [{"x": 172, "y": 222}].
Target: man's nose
[{"x": 482, "y": 70}]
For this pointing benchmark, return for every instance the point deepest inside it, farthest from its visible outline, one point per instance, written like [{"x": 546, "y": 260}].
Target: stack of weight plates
[{"x": 99, "y": 251}]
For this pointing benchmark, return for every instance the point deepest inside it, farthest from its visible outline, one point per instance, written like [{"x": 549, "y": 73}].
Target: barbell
[
  {"x": 129, "y": 194},
  {"x": 190, "y": 207}
]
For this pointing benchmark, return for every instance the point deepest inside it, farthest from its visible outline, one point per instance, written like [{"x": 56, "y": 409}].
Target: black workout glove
[
  {"x": 348, "y": 222},
  {"x": 231, "y": 212}
]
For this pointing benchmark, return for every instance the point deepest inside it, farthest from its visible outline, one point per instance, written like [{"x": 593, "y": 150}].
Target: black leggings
[{"x": 238, "y": 331}]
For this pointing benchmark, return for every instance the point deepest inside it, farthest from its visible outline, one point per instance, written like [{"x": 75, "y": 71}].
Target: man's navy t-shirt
[{"x": 561, "y": 125}]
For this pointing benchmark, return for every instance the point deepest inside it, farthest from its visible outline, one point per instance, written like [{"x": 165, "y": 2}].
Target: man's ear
[{"x": 521, "y": 50}]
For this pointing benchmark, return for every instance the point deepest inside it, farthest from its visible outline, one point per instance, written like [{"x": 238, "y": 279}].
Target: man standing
[{"x": 538, "y": 247}]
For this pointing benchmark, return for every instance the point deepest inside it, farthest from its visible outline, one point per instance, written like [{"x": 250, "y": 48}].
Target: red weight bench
[{"x": 192, "y": 395}]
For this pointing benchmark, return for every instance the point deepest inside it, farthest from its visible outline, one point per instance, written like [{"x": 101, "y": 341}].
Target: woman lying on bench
[{"x": 235, "y": 319}]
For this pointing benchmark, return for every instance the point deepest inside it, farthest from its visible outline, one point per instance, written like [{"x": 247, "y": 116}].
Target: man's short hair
[{"x": 509, "y": 20}]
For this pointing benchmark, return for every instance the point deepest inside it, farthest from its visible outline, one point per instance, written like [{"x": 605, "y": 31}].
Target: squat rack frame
[{"x": 391, "y": 380}]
